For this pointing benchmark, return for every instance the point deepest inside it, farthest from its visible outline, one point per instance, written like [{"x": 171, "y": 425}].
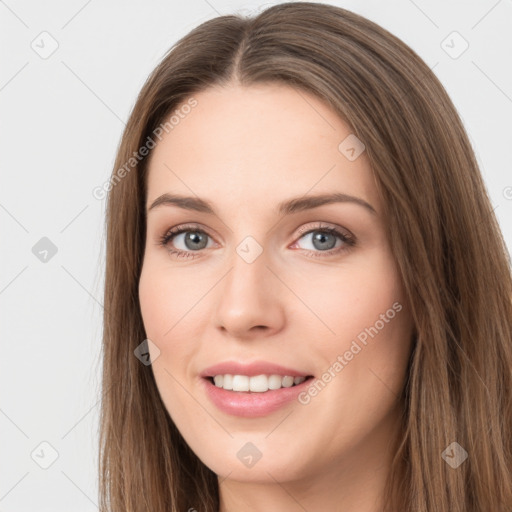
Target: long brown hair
[{"x": 444, "y": 235}]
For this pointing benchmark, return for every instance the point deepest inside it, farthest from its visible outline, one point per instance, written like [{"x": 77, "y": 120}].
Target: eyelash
[{"x": 349, "y": 241}]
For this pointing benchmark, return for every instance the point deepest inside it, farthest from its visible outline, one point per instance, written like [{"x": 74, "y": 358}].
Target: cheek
[
  {"x": 347, "y": 300},
  {"x": 165, "y": 297},
  {"x": 367, "y": 311},
  {"x": 155, "y": 300},
  {"x": 173, "y": 315},
  {"x": 368, "y": 327},
  {"x": 164, "y": 309}
]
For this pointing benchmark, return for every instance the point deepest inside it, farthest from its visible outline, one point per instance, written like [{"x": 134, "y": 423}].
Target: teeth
[
  {"x": 257, "y": 383},
  {"x": 287, "y": 382},
  {"x": 274, "y": 381},
  {"x": 240, "y": 383},
  {"x": 227, "y": 381}
]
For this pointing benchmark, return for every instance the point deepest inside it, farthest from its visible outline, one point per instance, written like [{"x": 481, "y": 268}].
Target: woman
[{"x": 300, "y": 242}]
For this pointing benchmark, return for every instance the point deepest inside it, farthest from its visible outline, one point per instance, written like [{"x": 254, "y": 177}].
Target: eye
[
  {"x": 191, "y": 238},
  {"x": 322, "y": 241}
]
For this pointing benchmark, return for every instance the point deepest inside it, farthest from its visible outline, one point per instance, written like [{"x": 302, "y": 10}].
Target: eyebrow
[{"x": 285, "y": 208}]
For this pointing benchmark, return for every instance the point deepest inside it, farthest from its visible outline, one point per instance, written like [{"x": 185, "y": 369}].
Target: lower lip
[{"x": 252, "y": 404}]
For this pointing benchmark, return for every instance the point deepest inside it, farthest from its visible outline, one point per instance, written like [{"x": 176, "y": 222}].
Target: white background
[{"x": 61, "y": 122}]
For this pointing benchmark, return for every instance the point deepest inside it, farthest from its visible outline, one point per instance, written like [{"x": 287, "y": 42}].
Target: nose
[{"x": 250, "y": 298}]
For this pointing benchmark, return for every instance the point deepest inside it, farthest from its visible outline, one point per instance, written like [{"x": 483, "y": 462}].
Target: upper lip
[{"x": 251, "y": 369}]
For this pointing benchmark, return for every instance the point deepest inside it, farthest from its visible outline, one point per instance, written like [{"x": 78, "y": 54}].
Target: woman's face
[{"x": 258, "y": 282}]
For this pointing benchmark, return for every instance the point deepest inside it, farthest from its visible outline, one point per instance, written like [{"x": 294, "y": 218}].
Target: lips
[
  {"x": 249, "y": 404},
  {"x": 265, "y": 400}
]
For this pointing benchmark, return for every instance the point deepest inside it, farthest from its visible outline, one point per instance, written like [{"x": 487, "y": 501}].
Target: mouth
[{"x": 262, "y": 383}]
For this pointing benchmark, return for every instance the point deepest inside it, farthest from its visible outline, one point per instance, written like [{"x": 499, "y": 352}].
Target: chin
[{"x": 274, "y": 466}]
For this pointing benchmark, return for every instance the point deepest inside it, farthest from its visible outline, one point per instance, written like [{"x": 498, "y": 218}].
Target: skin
[{"x": 245, "y": 149}]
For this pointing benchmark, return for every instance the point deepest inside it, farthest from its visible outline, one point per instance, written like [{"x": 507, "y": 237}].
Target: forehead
[{"x": 261, "y": 143}]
